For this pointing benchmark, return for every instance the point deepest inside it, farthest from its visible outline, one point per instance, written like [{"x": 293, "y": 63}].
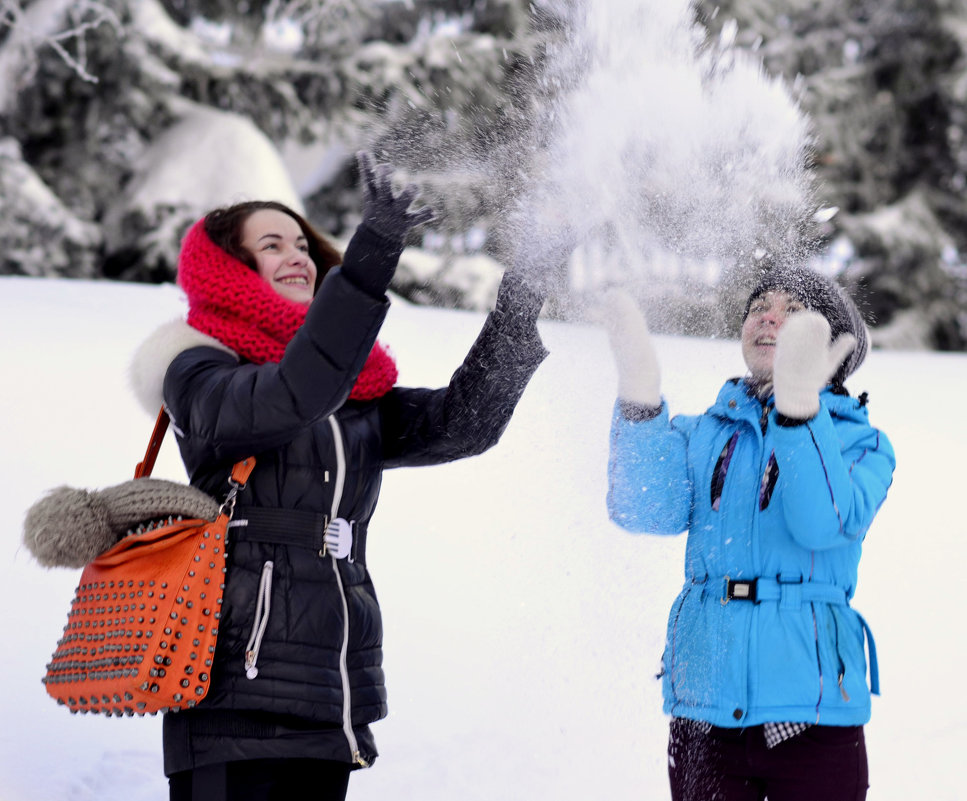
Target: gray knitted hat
[
  {"x": 70, "y": 527},
  {"x": 820, "y": 294}
]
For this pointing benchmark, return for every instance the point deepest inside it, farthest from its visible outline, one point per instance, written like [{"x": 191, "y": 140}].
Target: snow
[
  {"x": 32, "y": 207},
  {"x": 284, "y": 35},
  {"x": 667, "y": 149},
  {"x": 29, "y": 26},
  {"x": 196, "y": 162},
  {"x": 523, "y": 630},
  {"x": 151, "y": 19},
  {"x": 315, "y": 165},
  {"x": 39, "y": 199}
]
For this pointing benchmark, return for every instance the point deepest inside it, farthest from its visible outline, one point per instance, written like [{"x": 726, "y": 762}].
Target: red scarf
[{"x": 229, "y": 301}]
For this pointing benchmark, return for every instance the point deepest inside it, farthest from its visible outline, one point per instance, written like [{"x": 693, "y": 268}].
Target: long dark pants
[
  {"x": 823, "y": 762},
  {"x": 263, "y": 780}
]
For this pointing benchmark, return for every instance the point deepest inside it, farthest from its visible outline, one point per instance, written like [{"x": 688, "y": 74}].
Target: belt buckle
[{"x": 736, "y": 590}]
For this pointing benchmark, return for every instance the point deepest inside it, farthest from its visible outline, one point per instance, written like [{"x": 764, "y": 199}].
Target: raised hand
[
  {"x": 639, "y": 375},
  {"x": 519, "y": 303},
  {"x": 805, "y": 363},
  {"x": 386, "y": 211},
  {"x": 543, "y": 252}
]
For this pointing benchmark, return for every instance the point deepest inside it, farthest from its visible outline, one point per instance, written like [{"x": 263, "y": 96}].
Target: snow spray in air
[{"x": 670, "y": 158}]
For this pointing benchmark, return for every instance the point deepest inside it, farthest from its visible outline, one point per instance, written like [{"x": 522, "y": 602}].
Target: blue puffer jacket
[{"x": 785, "y": 506}]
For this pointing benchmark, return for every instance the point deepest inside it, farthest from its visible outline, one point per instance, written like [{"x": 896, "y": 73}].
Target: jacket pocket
[
  {"x": 850, "y": 654},
  {"x": 263, "y": 607},
  {"x": 693, "y": 666},
  {"x": 790, "y": 666}
]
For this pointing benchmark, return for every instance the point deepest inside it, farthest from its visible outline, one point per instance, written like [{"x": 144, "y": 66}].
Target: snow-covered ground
[{"x": 523, "y": 630}]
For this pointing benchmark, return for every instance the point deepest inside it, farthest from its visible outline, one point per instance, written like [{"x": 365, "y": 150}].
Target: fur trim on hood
[{"x": 150, "y": 362}]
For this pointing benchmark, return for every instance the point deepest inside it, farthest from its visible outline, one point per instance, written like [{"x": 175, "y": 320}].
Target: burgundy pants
[{"x": 823, "y": 762}]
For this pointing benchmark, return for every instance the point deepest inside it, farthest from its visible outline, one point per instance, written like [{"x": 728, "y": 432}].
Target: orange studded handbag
[{"x": 141, "y": 631}]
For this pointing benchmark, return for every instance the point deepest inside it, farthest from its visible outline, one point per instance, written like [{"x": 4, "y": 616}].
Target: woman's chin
[
  {"x": 301, "y": 296},
  {"x": 760, "y": 373}
]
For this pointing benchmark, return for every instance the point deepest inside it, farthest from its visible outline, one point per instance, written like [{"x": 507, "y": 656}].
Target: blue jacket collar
[{"x": 737, "y": 401}]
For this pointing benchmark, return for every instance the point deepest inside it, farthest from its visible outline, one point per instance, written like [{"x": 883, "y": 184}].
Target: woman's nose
[
  {"x": 296, "y": 256},
  {"x": 772, "y": 316}
]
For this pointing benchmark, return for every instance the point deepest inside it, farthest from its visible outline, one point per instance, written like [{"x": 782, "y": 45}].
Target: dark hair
[{"x": 224, "y": 228}]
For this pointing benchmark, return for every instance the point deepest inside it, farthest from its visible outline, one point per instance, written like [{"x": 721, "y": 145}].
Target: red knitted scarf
[{"x": 229, "y": 301}]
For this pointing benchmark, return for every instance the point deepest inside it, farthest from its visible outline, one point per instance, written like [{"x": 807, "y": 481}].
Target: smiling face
[
  {"x": 281, "y": 254},
  {"x": 767, "y": 313}
]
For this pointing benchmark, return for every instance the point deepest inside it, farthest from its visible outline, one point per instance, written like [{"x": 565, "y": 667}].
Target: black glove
[{"x": 385, "y": 211}]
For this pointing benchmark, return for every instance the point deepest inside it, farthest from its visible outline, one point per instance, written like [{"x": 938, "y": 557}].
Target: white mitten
[
  {"x": 805, "y": 361},
  {"x": 639, "y": 377},
  {"x": 338, "y": 538}
]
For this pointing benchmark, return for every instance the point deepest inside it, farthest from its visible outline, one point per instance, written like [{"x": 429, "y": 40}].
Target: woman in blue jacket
[{"x": 765, "y": 669}]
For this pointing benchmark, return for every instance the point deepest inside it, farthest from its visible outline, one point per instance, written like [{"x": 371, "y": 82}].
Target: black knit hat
[{"x": 820, "y": 294}]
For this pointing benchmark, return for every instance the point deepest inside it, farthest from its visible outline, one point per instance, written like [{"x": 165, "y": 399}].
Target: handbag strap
[
  {"x": 144, "y": 468},
  {"x": 240, "y": 471}
]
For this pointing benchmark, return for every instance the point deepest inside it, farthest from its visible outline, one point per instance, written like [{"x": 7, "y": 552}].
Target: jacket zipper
[
  {"x": 347, "y": 723},
  {"x": 263, "y": 606}
]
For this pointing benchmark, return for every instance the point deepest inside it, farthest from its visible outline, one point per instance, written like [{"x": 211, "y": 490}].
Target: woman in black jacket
[{"x": 304, "y": 387}]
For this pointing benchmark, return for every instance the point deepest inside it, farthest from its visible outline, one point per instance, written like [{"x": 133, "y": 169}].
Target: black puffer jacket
[{"x": 312, "y": 622}]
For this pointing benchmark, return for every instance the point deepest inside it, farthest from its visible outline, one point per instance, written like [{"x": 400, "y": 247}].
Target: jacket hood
[{"x": 146, "y": 372}]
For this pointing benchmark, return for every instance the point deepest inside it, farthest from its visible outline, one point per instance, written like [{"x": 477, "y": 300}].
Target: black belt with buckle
[
  {"x": 736, "y": 590},
  {"x": 290, "y": 527}
]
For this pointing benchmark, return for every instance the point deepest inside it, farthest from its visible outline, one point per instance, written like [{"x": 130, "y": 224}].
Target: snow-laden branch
[
  {"x": 304, "y": 11},
  {"x": 51, "y": 23}
]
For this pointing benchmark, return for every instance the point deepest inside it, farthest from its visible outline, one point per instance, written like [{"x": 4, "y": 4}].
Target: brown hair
[{"x": 224, "y": 228}]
